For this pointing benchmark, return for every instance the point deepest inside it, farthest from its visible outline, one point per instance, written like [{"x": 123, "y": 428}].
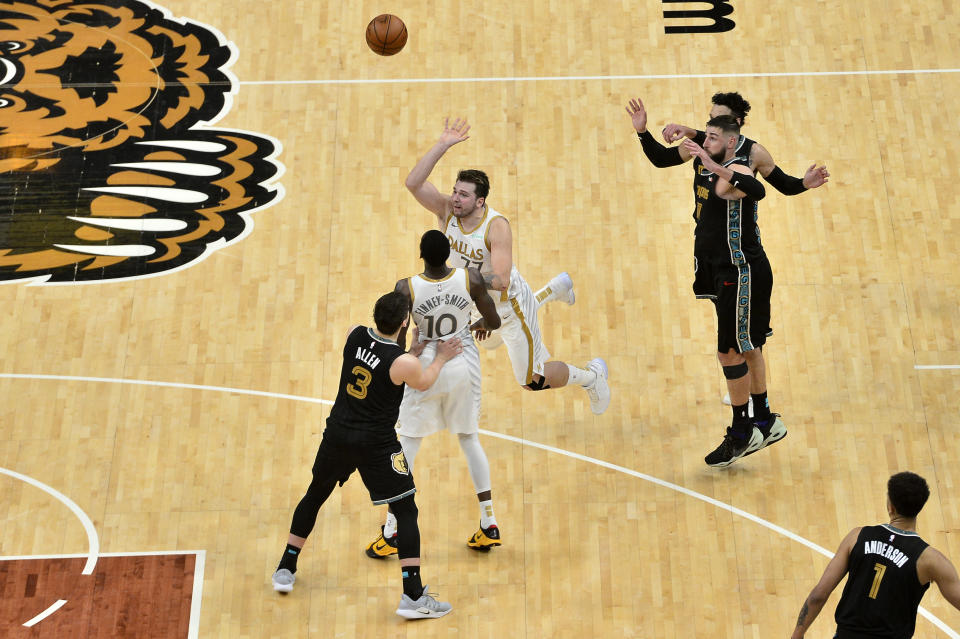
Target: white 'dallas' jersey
[
  {"x": 473, "y": 249},
  {"x": 441, "y": 308}
]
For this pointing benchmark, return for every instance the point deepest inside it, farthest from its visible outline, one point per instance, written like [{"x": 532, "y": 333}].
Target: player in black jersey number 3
[
  {"x": 890, "y": 568},
  {"x": 360, "y": 436}
]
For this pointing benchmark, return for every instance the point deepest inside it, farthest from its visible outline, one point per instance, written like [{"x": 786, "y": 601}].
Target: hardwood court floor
[{"x": 866, "y": 289}]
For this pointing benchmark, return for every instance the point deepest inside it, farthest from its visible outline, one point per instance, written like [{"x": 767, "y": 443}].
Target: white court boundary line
[
  {"x": 46, "y": 613},
  {"x": 198, "y": 570},
  {"x": 710, "y": 500},
  {"x": 93, "y": 541},
  {"x": 936, "y": 367},
  {"x": 580, "y": 78},
  {"x": 525, "y": 442},
  {"x": 146, "y": 382}
]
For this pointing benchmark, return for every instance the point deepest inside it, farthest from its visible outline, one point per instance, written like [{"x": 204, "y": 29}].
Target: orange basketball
[{"x": 386, "y": 34}]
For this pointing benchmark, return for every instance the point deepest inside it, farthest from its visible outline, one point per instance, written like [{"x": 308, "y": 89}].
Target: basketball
[{"x": 386, "y": 34}]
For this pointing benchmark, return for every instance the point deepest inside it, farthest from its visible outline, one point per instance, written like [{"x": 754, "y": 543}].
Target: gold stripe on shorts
[{"x": 526, "y": 331}]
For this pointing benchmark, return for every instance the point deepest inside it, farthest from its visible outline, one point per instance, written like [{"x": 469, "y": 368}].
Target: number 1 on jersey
[{"x": 879, "y": 569}]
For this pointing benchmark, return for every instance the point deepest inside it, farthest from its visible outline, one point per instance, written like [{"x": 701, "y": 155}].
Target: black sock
[
  {"x": 761, "y": 407},
  {"x": 289, "y": 560},
  {"x": 412, "y": 587},
  {"x": 741, "y": 419}
]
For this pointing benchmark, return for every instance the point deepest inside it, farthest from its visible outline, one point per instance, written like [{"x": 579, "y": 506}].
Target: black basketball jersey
[
  {"x": 368, "y": 402},
  {"x": 743, "y": 150},
  {"x": 883, "y": 591},
  {"x": 726, "y": 230}
]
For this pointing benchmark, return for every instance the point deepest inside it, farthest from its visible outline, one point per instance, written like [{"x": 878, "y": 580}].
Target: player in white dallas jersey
[
  {"x": 481, "y": 237},
  {"x": 441, "y": 299}
]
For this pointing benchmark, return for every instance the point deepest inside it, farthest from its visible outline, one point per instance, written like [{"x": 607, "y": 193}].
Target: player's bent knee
[{"x": 538, "y": 384}]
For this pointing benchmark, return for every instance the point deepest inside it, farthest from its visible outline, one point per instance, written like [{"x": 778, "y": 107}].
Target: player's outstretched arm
[
  {"x": 426, "y": 193},
  {"x": 762, "y": 162},
  {"x": 834, "y": 572},
  {"x": 659, "y": 155},
  {"x": 407, "y": 369}
]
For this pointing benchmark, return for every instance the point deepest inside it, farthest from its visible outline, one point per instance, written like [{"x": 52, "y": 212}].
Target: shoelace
[{"x": 431, "y": 599}]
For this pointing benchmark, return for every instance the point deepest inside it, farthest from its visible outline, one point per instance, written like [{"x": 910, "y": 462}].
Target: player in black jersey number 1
[{"x": 888, "y": 567}]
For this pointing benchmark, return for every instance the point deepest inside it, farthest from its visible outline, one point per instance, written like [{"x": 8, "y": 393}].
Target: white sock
[
  {"x": 583, "y": 377},
  {"x": 390, "y": 527},
  {"x": 486, "y": 514},
  {"x": 548, "y": 293},
  {"x": 476, "y": 462},
  {"x": 544, "y": 295}
]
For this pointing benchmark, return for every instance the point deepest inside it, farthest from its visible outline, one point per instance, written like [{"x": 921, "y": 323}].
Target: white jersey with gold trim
[
  {"x": 473, "y": 249},
  {"x": 441, "y": 308}
]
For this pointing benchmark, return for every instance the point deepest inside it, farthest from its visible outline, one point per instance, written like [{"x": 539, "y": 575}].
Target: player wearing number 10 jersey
[
  {"x": 441, "y": 299},
  {"x": 890, "y": 568}
]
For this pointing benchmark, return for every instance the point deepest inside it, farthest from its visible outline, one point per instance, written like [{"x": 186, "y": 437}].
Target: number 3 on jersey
[{"x": 359, "y": 388}]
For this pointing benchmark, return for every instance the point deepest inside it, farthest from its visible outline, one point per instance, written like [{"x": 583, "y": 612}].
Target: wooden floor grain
[{"x": 866, "y": 288}]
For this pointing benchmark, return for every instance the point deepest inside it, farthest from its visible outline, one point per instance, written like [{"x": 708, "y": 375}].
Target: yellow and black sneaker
[
  {"x": 382, "y": 547},
  {"x": 485, "y": 539}
]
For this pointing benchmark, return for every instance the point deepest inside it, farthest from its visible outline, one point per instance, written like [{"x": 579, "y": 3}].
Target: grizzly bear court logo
[{"x": 110, "y": 166}]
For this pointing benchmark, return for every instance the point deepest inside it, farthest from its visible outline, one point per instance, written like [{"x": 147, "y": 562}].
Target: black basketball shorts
[
  {"x": 743, "y": 305},
  {"x": 382, "y": 466}
]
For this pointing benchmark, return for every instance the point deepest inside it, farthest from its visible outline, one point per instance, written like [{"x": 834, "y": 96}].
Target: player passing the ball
[{"x": 480, "y": 237}]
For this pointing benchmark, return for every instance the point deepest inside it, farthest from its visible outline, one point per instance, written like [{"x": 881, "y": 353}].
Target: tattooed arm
[
  {"x": 501, "y": 255},
  {"x": 832, "y": 576}
]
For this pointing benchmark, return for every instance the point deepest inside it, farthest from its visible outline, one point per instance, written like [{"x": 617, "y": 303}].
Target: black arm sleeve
[
  {"x": 749, "y": 185},
  {"x": 700, "y": 137},
  {"x": 786, "y": 184},
  {"x": 659, "y": 155}
]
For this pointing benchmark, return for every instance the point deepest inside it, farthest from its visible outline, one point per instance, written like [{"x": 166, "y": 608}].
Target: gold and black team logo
[
  {"x": 400, "y": 463},
  {"x": 109, "y": 166}
]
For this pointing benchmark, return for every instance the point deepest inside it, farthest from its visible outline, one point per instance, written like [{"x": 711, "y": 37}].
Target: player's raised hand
[
  {"x": 816, "y": 176},
  {"x": 638, "y": 114},
  {"x": 455, "y": 132},
  {"x": 673, "y": 132},
  {"x": 696, "y": 150}
]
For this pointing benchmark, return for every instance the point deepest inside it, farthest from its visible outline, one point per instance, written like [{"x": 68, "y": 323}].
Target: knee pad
[
  {"x": 736, "y": 371},
  {"x": 538, "y": 384}
]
